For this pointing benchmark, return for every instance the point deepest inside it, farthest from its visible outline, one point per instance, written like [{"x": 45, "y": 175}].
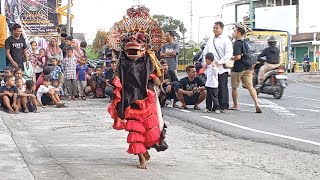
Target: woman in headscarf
[
  {"x": 54, "y": 51},
  {"x": 78, "y": 53}
]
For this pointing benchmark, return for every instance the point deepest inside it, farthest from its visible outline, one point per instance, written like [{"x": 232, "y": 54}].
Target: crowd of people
[
  {"x": 43, "y": 76},
  {"x": 192, "y": 90},
  {"x": 47, "y": 73}
]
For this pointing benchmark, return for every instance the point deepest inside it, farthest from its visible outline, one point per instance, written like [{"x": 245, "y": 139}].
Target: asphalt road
[{"x": 292, "y": 122}]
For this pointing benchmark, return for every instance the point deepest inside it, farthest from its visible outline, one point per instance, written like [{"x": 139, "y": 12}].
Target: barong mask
[{"x": 136, "y": 33}]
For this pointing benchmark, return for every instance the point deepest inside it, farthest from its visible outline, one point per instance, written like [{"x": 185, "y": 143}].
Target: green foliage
[
  {"x": 189, "y": 53},
  {"x": 99, "y": 41},
  {"x": 91, "y": 54},
  {"x": 168, "y": 23}
]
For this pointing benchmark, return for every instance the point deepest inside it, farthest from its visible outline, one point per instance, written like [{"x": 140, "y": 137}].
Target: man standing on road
[
  {"x": 16, "y": 48},
  {"x": 240, "y": 72},
  {"x": 170, "y": 52},
  {"x": 221, "y": 47}
]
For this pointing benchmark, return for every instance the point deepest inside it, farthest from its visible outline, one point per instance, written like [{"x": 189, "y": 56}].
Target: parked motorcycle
[{"x": 275, "y": 81}]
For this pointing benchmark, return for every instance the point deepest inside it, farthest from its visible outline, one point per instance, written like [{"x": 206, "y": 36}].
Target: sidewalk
[
  {"x": 78, "y": 142},
  {"x": 12, "y": 165}
]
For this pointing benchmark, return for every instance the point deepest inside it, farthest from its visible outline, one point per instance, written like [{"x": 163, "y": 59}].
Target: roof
[{"x": 305, "y": 37}]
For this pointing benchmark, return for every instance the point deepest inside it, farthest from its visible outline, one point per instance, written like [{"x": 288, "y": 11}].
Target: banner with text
[{"x": 36, "y": 16}]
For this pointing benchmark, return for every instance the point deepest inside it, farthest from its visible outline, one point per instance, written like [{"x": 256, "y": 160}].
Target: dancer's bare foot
[
  {"x": 143, "y": 162},
  {"x": 147, "y": 156}
]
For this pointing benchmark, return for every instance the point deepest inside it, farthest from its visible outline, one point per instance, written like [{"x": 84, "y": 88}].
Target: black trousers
[
  {"x": 212, "y": 99},
  {"x": 223, "y": 95}
]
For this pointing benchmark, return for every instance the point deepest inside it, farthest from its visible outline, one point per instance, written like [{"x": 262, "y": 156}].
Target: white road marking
[
  {"x": 263, "y": 132},
  {"x": 276, "y": 108},
  {"x": 303, "y": 109},
  {"x": 291, "y": 108},
  {"x": 297, "y": 97},
  {"x": 306, "y": 84},
  {"x": 316, "y": 106},
  {"x": 183, "y": 110}
]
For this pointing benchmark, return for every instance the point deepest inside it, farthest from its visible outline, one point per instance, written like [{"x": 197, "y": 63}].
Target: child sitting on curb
[
  {"x": 27, "y": 100},
  {"x": 9, "y": 95},
  {"x": 47, "y": 94}
]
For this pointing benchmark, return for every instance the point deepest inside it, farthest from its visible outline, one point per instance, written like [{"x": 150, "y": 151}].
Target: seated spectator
[
  {"x": 169, "y": 81},
  {"x": 46, "y": 71},
  {"x": 29, "y": 101},
  {"x": 9, "y": 95},
  {"x": 8, "y": 71},
  {"x": 109, "y": 74},
  {"x": 82, "y": 70},
  {"x": 26, "y": 98},
  {"x": 47, "y": 94},
  {"x": 191, "y": 89},
  {"x": 88, "y": 77},
  {"x": 98, "y": 83},
  {"x": 18, "y": 74},
  {"x": 56, "y": 84}
]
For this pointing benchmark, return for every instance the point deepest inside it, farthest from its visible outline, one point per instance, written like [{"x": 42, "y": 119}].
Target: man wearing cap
[
  {"x": 68, "y": 42},
  {"x": 109, "y": 74}
]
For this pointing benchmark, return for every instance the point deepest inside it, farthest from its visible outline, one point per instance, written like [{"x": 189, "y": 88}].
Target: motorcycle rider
[
  {"x": 272, "y": 54},
  {"x": 306, "y": 65},
  {"x": 198, "y": 58}
]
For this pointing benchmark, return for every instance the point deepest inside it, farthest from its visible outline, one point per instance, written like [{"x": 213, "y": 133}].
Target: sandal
[
  {"x": 196, "y": 107},
  {"x": 36, "y": 111},
  {"x": 234, "y": 109}
]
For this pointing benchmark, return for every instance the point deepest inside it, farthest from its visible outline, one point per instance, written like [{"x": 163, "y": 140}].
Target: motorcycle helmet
[{"x": 272, "y": 41}]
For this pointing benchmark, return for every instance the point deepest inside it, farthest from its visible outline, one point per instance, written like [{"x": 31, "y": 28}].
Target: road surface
[{"x": 292, "y": 122}]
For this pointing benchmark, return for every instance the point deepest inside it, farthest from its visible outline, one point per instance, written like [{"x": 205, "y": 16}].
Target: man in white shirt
[{"x": 221, "y": 47}]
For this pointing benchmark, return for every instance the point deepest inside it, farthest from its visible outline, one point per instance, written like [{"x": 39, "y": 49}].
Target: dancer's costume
[{"x": 135, "y": 107}]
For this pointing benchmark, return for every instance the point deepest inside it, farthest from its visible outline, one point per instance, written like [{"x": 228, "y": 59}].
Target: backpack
[{"x": 249, "y": 57}]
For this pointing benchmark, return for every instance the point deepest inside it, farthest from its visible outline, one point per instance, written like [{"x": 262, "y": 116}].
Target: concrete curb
[{"x": 12, "y": 164}]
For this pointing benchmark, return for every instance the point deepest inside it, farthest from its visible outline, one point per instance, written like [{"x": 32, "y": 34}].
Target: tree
[
  {"x": 168, "y": 23},
  {"x": 99, "y": 41}
]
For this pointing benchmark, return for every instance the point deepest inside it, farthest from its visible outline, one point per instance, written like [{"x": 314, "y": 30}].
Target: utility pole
[
  {"x": 251, "y": 14},
  {"x": 191, "y": 18},
  {"x": 69, "y": 18}
]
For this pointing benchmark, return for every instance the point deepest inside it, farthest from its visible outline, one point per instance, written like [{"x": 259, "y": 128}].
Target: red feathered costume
[{"x": 134, "y": 107}]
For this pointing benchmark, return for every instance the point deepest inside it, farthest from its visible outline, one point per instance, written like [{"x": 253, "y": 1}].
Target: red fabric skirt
[{"x": 142, "y": 123}]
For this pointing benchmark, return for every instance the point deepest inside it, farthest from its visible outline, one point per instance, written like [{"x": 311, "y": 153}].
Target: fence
[{"x": 299, "y": 67}]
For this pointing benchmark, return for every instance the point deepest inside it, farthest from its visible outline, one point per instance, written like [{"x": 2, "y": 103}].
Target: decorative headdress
[{"x": 138, "y": 22}]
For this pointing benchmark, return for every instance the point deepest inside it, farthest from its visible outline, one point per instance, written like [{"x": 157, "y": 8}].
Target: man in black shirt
[
  {"x": 240, "y": 72},
  {"x": 16, "y": 48},
  {"x": 191, "y": 90},
  {"x": 272, "y": 54},
  {"x": 169, "y": 82}
]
